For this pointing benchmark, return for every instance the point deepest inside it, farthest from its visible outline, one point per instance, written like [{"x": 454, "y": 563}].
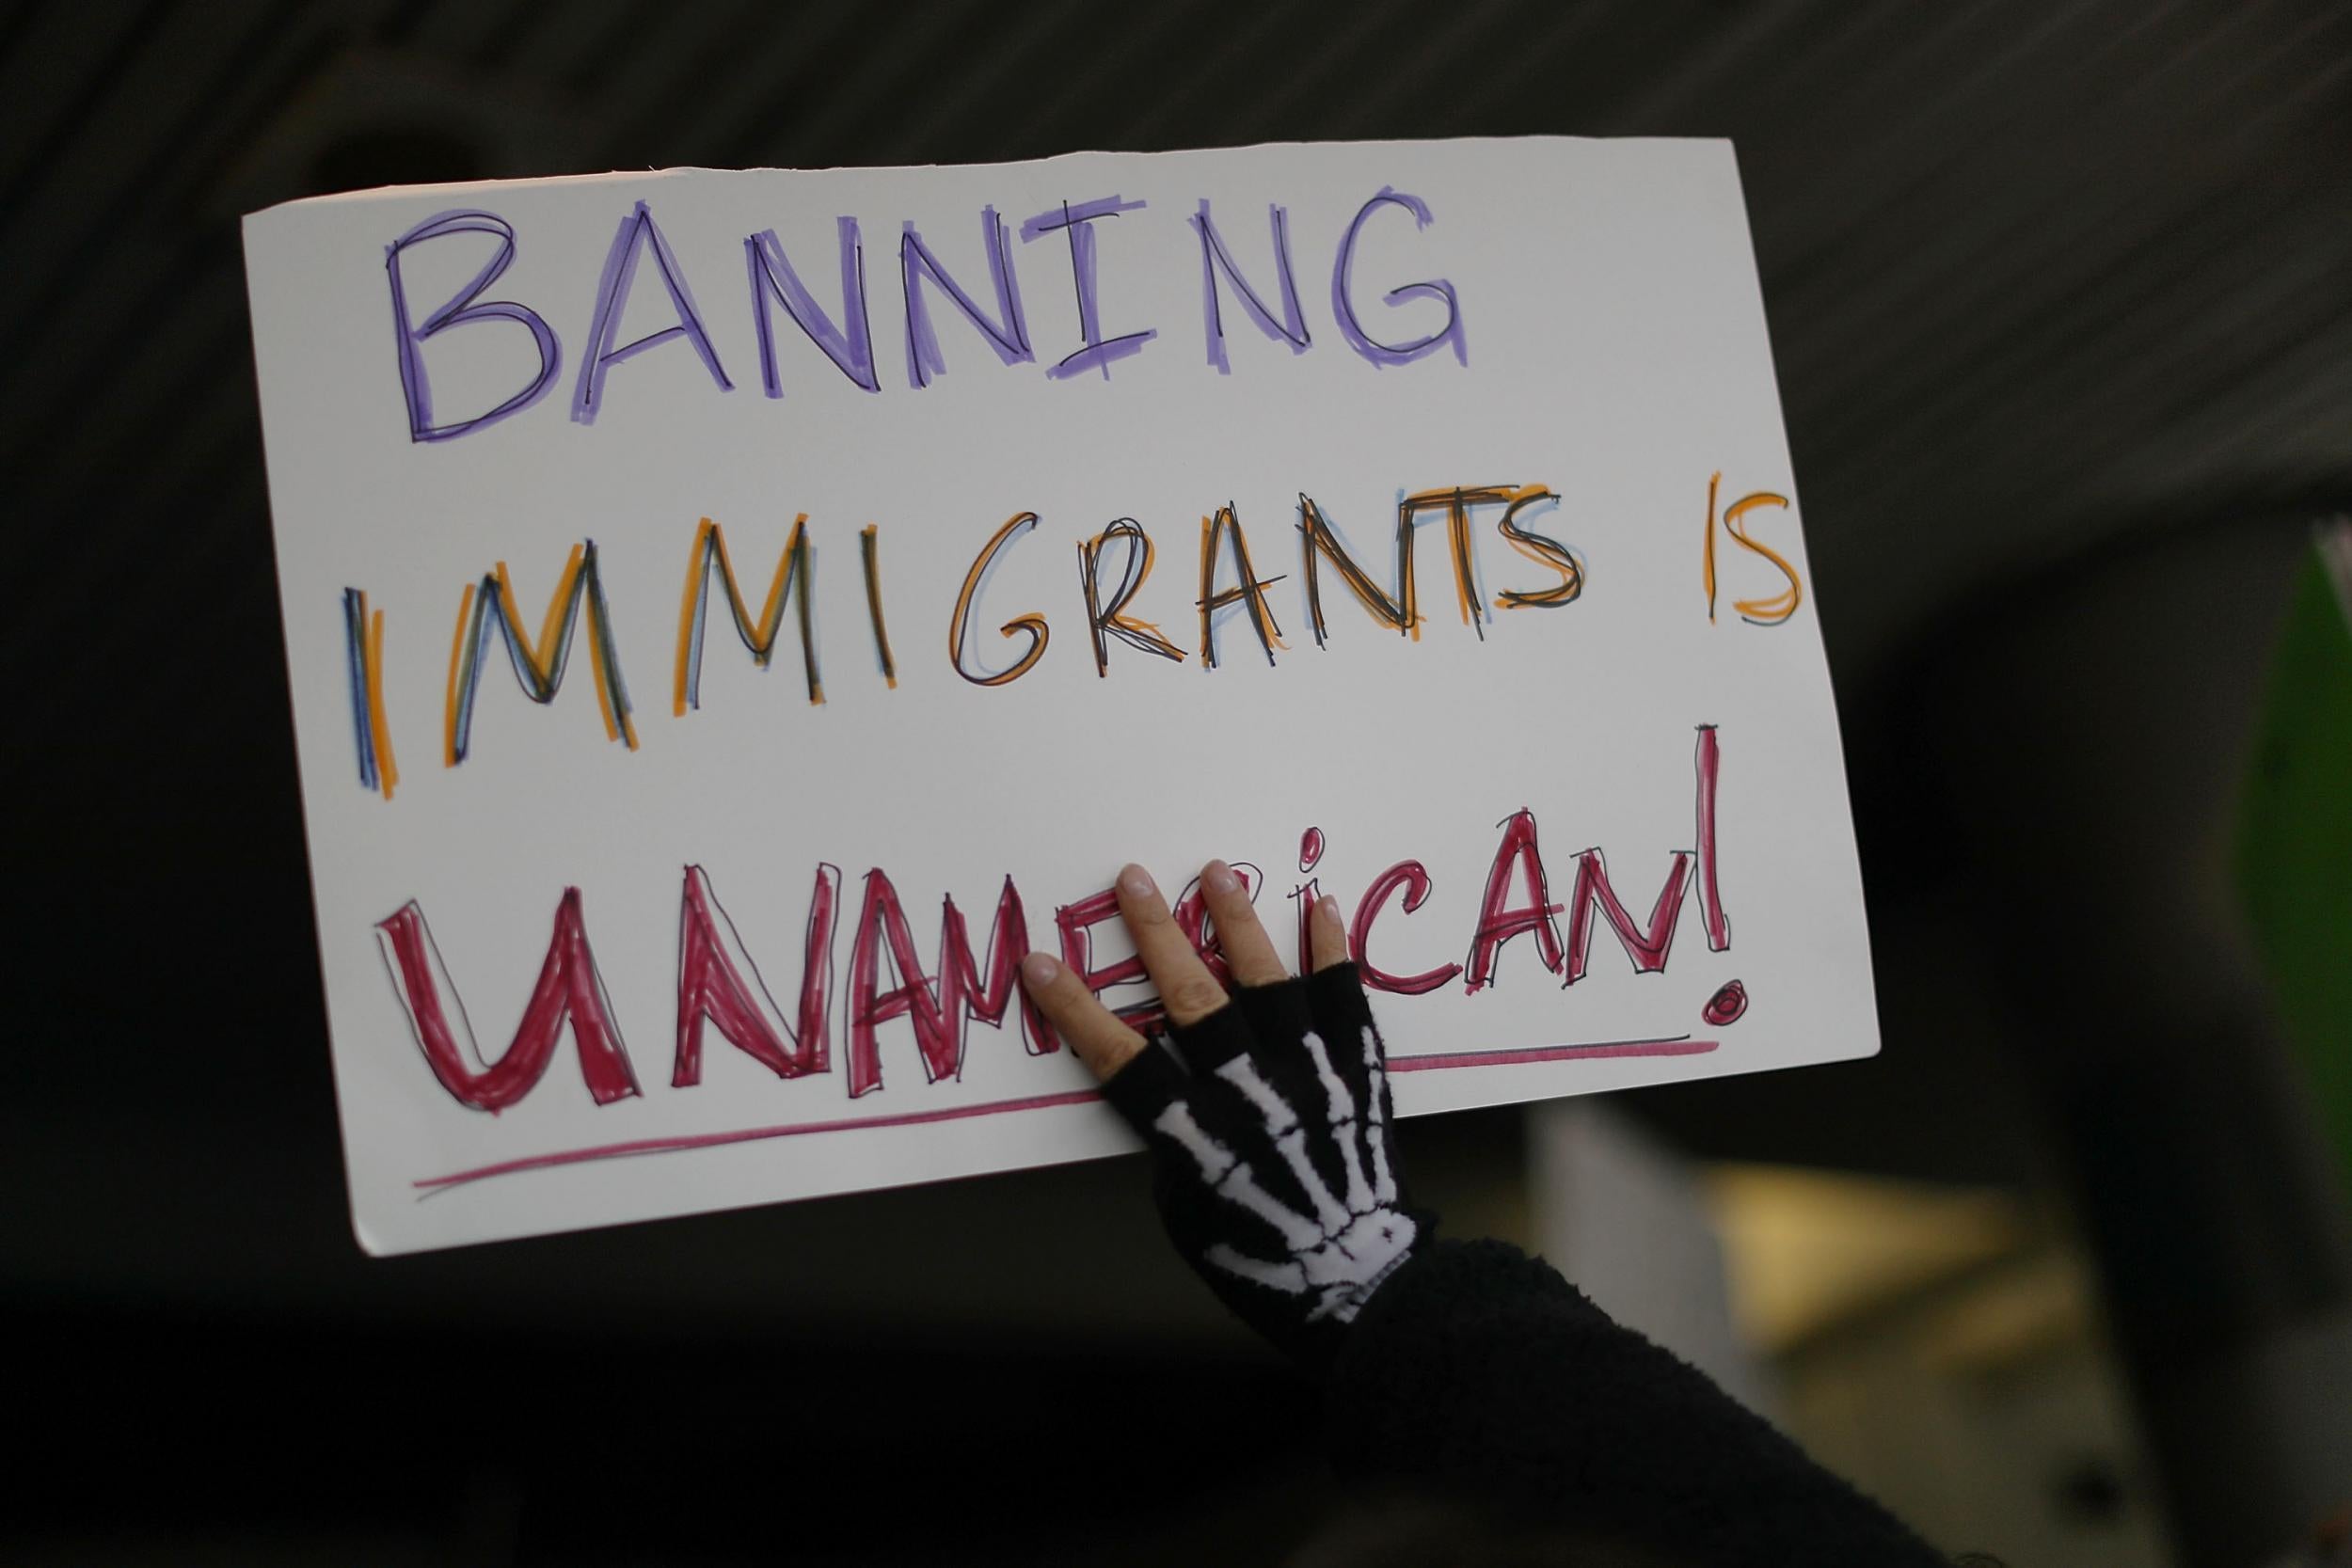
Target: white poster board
[{"x": 621, "y": 916}]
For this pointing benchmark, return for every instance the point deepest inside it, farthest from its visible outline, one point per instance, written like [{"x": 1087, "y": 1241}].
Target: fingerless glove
[{"x": 1275, "y": 1171}]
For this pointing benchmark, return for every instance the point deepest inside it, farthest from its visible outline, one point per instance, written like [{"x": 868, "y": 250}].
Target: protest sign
[{"x": 732, "y": 615}]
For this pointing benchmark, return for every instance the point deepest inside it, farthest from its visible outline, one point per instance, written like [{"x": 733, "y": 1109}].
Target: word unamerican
[{"x": 721, "y": 988}]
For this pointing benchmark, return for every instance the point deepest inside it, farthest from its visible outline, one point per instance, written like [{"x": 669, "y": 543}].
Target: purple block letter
[
  {"x": 1342, "y": 307},
  {"x": 849, "y": 346},
  {"x": 1074, "y": 221},
  {"x": 1009, "y": 334},
  {"x": 1214, "y": 257},
  {"x": 461, "y": 310},
  {"x": 637, "y": 231}
]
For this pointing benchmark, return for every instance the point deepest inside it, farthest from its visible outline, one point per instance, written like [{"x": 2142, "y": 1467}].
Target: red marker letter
[
  {"x": 718, "y": 983},
  {"x": 1497, "y": 925},
  {"x": 567, "y": 991},
  {"x": 1414, "y": 879},
  {"x": 1646, "y": 948},
  {"x": 1710, "y": 897},
  {"x": 941, "y": 1012}
]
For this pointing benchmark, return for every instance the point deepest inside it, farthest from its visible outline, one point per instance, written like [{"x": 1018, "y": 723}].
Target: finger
[
  {"x": 1250, "y": 953},
  {"x": 1187, "y": 989},
  {"x": 1327, "y": 935},
  {"x": 1095, "y": 1036}
]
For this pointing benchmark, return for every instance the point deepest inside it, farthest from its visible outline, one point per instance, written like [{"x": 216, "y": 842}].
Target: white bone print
[{"x": 1341, "y": 1251}]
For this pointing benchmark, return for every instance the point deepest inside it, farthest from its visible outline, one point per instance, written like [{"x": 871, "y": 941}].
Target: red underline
[
  {"x": 1683, "y": 1046},
  {"x": 751, "y": 1134},
  {"x": 1680, "y": 1045}
]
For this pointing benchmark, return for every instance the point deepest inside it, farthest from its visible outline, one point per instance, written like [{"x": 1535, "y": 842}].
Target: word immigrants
[{"x": 1112, "y": 568}]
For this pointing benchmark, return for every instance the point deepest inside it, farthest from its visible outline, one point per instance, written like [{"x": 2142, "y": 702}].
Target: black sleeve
[{"x": 1478, "y": 1374}]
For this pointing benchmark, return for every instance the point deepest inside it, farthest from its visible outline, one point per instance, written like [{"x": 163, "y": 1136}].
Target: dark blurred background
[{"x": 2061, "y": 301}]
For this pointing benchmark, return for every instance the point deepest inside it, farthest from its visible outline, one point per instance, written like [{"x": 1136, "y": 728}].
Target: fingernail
[
  {"x": 1220, "y": 877},
  {"x": 1041, "y": 968},
  {"x": 1330, "y": 906},
  {"x": 1137, "y": 882}
]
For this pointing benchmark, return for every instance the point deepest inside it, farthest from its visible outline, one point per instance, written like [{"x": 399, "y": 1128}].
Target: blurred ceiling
[{"x": 2046, "y": 280}]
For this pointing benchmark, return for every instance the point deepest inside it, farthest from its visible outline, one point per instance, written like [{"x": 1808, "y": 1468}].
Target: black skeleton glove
[{"x": 1269, "y": 1125}]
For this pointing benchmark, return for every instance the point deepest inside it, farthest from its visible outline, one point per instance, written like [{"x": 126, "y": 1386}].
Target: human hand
[{"x": 1268, "y": 1120}]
